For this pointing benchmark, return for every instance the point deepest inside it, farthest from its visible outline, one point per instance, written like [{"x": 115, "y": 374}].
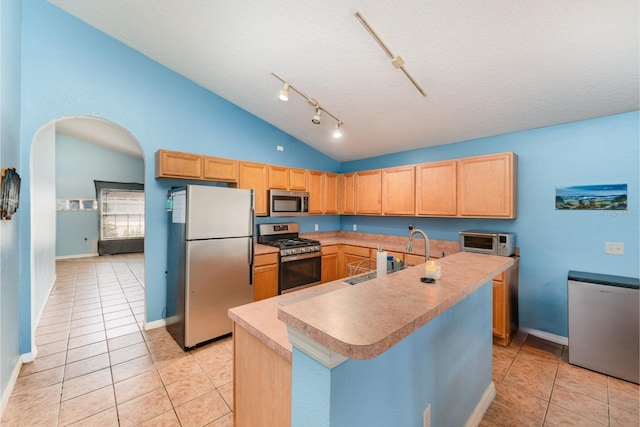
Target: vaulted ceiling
[{"x": 487, "y": 67}]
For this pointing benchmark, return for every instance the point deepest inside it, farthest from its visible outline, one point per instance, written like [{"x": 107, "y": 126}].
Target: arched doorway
[{"x": 56, "y": 214}]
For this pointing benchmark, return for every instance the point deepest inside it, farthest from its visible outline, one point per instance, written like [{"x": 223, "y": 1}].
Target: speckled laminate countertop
[
  {"x": 364, "y": 320},
  {"x": 369, "y": 240}
]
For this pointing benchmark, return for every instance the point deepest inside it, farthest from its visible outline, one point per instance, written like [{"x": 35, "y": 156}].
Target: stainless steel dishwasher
[{"x": 604, "y": 324}]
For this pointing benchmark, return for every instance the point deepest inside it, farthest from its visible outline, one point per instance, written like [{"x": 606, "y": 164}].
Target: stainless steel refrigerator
[{"x": 210, "y": 260}]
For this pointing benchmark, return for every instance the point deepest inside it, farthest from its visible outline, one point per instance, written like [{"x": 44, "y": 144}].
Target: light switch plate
[
  {"x": 613, "y": 248},
  {"x": 315, "y": 227},
  {"x": 355, "y": 227}
]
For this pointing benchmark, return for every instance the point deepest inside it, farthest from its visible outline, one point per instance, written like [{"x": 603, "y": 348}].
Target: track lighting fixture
[
  {"x": 284, "y": 95},
  {"x": 396, "y": 61},
  {"x": 337, "y": 132},
  {"x": 316, "y": 117},
  {"x": 284, "y": 92}
]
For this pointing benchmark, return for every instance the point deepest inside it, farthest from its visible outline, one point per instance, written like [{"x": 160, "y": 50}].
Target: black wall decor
[{"x": 9, "y": 192}]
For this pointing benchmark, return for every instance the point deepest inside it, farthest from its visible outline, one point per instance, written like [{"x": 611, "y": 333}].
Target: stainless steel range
[{"x": 300, "y": 259}]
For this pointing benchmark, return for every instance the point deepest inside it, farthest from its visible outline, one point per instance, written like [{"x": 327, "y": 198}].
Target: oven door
[{"x": 299, "y": 270}]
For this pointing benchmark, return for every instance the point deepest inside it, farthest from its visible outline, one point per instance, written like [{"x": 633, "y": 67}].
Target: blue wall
[
  {"x": 69, "y": 68},
  {"x": 78, "y": 164},
  {"x": 10, "y": 92},
  {"x": 598, "y": 151},
  {"x": 445, "y": 364}
]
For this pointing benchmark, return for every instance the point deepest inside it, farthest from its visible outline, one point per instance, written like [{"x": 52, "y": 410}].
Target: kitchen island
[{"x": 377, "y": 353}]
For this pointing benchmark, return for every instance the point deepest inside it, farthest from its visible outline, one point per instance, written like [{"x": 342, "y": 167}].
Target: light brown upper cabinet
[
  {"x": 297, "y": 179},
  {"x": 255, "y": 176},
  {"x": 368, "y": 192},
  {"x": 278, "y": 177},
  {"x": 329, "y": 193},
  {"x": 436, "y": 189},
  {"x": 398, "y": 191},
  {"x": 219, "y": 169},
  {"x": 487, "y": 186},
  {"x": 314, "y": 185},
  {"x": 346, "y": 195},
  {"x": 176, "y": 164}
]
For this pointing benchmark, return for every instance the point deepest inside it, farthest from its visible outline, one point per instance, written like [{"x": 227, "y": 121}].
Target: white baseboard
[
  {"x": 31, "y": 356},
  {"x": 77, "y": 256},
  {"x": 36, "y": 321},
  {"x": 155, "y": 324},
  {"x": 482, "y": 406},
  {"x": 10, "y": 385},
  {"x": 546, "y": 336}
]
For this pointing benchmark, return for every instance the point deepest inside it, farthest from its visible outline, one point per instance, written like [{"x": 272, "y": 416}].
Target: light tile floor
[
  {"x": 536, "y": 385},
  {"x": 97, "y": 366}
]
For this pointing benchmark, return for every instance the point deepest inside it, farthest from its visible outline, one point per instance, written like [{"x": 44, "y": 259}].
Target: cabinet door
[
  {"x": 499, "y": 301},
  {"x": 314, "y": 181},
  {"x": 398, "y": 191},
  {"x": 436, "y": 189},
  {"x": 219, "y": 169},
  {"x": 330, "y": 268},
  {"x": 368, "y": 192},
  {"x": 254, "y": 176},
  {"x": 297, "y": 179},
  {"x": 355, "y": 260},
  {"x": 347, "y": 201},
  {"x": 487, "y": 186},
  {"x": 265, "y": 281},
  {"x": 175, "y": 164},
  {"x": 330, "y": 193},
  {"x": 278, "y": 177}
]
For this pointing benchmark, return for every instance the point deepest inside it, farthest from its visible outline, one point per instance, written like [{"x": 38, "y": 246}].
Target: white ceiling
[{"x": 488, "y": 67}]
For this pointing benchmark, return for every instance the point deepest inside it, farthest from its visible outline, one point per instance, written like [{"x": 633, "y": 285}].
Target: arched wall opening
[{"x": 100, "y": 136}]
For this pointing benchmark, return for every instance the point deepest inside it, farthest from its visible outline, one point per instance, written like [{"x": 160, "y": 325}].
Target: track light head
[
  {"x": 337, "y": 132},
  {"x": 284, "y": 92},
  {"x": 316, "y": 117}
]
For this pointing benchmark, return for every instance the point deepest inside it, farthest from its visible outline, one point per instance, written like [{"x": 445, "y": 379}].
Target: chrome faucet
[{"x": 412, "y": 232}]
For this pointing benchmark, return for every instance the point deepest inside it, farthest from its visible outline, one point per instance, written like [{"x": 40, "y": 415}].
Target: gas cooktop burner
[
  {"x": 291, "y": 243},
  {"x": 285, "y": 237}
]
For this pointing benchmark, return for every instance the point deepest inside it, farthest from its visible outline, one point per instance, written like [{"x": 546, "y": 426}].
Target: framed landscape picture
[{"x": 592, "y": 197}]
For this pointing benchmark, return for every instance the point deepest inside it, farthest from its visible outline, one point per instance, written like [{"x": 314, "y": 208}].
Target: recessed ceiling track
[{"x": 397, "y": 61}]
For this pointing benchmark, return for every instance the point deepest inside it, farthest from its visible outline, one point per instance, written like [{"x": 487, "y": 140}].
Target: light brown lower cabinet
[
  {"x": 505, "y": 305},
  {"x": 354, "y": 256},
  {"x": 265, "y": 276},
  {"x": 330, "y": 263},
  {"x": 261, "y": 383}
]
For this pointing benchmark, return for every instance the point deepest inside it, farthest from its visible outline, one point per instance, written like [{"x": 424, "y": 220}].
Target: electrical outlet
[
  {"x": 279, "y": 147},
  {"x": 315, "y": 227},
  {"x": 613, "y": 248},
  {"x": 355, "y": 227},
  {"x": 426, "y": 416}
]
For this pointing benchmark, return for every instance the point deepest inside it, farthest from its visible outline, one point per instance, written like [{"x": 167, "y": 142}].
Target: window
[{"x": 121, "y": 213}]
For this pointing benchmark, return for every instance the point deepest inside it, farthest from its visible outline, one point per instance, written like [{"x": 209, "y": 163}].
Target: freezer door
[
  {"x": 218, "y": 212},
  {"x": 218, "y": 278}
]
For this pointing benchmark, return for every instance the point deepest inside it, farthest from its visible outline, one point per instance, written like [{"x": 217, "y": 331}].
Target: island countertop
[{"x": 364, "y": 320}]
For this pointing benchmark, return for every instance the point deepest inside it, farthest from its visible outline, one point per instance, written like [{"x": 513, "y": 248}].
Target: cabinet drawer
[
  {"x": 265, "y": 259},
  {"x": 330, "y": 249},
  {"x": 357, "y": 250}
]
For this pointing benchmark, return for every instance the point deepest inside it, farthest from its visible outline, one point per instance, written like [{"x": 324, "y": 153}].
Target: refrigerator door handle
[{"x": 251, "y": 261}]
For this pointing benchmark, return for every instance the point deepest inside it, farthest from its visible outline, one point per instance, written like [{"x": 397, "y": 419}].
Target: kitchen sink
[{"x": 368, "y": 276}]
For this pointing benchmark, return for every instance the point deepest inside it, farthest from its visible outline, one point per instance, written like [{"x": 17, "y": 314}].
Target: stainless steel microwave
[
  {"x": 288, "y": 203},
  {"x": 487, "y": 242}
]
